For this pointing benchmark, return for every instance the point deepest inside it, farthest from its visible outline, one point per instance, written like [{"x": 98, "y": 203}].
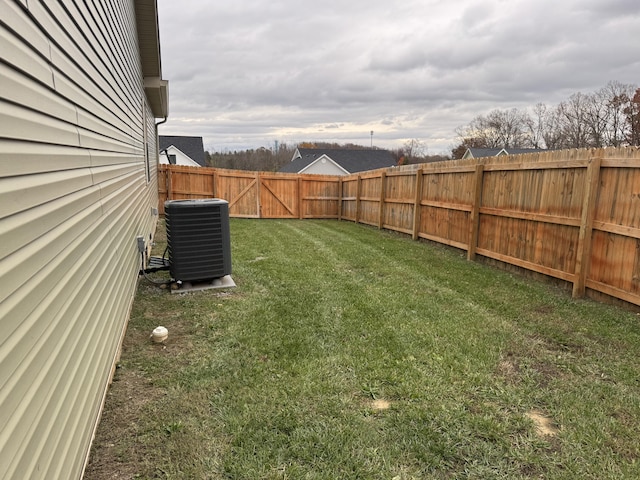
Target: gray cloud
[{"x": 244, "y": 74}]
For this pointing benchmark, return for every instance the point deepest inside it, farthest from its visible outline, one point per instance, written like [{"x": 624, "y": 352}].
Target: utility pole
[{"x": 371, "y": 138}]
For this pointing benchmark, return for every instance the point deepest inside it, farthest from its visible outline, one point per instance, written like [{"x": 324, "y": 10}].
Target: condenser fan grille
[{"x": 198, "y": 239}]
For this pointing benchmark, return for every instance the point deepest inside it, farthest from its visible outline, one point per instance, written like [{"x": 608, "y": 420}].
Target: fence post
[
  {"x": 383, "y": 178},
  {"x": 300, "y": 198},
  {"x": 416, "y": 204},
  {"x": 169, "y": 183},
  {"x": 474, "y": 215},
  {"x": 583, "y": 252},
  {"x": 340, "y": 195},
  {"x": 258, "y": 182},
  {"x": 358, "y": 188},
  {"x": 213, "y": 183}
]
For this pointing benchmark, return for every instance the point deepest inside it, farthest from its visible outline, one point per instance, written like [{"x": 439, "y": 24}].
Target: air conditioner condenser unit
[{"x": 198, "y": 239}]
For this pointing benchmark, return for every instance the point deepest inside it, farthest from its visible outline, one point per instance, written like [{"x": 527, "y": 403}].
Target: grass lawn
[{"x": 345, "y": 352}]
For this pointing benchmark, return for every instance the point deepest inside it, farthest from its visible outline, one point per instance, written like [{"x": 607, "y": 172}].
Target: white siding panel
[
  {"x": 18, "y": 230},
  {"x": 100, "y": 141},
  {"x": 28, "y": 339},
  {"x": 25, "y": 124},
  {"x": 74, "y": 195},
  {"x": 116, "y": 173},
  {"x": 93, "y": 123},
  {"x": 70, "y": 41},
  {"x": 41, "y": 252},
  {"x": 31, "y": 94},
  {"x": 73, "y": 84},
  {"x": 27, "y": 51},
  {"x": 49, "y": 347},
  {"x": 48, "y": 16},
  {"x": 21, "y": 193},
  {"x": 125, "y": 28},
  {"x": 101, "y": 24},
  {"x": 106, "y": 110},
  {"x": 39, "y": 158},
  {"x": 101, "y": 158}
]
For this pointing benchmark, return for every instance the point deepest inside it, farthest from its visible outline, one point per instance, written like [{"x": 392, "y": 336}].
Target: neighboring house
[
  {"x": 337, "y": 161},
  {"x": 497, "y": 152},
  {"x": 177, "y": 150},
  {"x": 81, "y": 88}
]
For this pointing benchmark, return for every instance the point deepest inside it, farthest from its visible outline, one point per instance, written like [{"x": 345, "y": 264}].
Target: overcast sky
[{"x": 247, "y": 73}]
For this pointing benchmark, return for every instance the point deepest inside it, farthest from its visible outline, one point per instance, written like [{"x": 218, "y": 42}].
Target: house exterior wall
[
  {"x": 181, "y": 158},
  {"x": 78, "y": 181},
  {"x": 324, "y": 166}
]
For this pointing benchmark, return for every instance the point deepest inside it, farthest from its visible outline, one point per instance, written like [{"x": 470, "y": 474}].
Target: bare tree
[
  {"x": 617, "y": 97},
  {"x": 498, "y": 129},
  {"x": 467, "y": 140},
  {"x": 632, "y": 112},
  {"x": 413, "y": 149},
  {"x": 552, "y": 133},
  {"x": 607, "y": 117},
  {"x": 572, "y": 118},
  {"x": 535, "y": 126},
  {"x": 597, "y": 118},
  {"x": 509, "y": 128}
]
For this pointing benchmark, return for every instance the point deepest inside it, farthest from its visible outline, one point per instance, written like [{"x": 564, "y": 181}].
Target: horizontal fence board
[
  {"x": 575, "y": 222},
  {"x": 444, "y": 240},
  {"x": 526, "y": 265},
  {"x": 445, "y": 205},
  {"x": 523, "y": 210},
  {"x": 619, "y": 229},
  {"x": 613, "y": 292}
]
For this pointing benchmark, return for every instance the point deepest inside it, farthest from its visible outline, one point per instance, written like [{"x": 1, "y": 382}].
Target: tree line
[
  {"x": 259, "y": 159},
  {"x": 267, "y": 159},
  {"x": 272, "y": 159},
  {"x": 608, "y": 117}
]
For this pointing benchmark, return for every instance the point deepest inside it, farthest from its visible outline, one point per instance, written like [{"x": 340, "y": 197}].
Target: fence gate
[
  {"x": 278, "y": 196},
  {"x": 241, "y": 190}
]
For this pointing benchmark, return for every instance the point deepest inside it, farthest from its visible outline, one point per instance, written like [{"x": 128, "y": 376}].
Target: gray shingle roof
[
  {"x": 351, "y": 160},
  {"x": 191, "y": 146}
]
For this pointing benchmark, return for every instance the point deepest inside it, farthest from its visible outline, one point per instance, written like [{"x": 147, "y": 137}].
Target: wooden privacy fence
[
  {"x": 253, "y": 194},
  {"x": 573, "y": 215}
]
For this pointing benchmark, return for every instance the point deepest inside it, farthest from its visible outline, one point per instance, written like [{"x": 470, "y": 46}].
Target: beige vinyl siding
[{"x": 74, "y": 195}]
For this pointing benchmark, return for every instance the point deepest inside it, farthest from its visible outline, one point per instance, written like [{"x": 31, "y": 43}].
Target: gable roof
[
  {"x": 165, "y": 156},
  {"x": 494, "y": 152},
  {"x": 192, "y": 147},
  {"x": 351, "y": 161}
]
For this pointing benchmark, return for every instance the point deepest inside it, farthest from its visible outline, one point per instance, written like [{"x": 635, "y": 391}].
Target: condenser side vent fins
[{"x": 198, "y": 239}]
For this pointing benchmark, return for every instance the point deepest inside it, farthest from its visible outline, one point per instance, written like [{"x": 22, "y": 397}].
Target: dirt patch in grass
[
  {"x": 177, "y": 345},
  {"x": 543, "y": 309},
  {"x": 111, "y": 458},
  {"x": 380, "y": 404},
  {"x": 531, "y": 354},
  {"x": 545, "y": 426},
  {"x": 509, "y": 368}
]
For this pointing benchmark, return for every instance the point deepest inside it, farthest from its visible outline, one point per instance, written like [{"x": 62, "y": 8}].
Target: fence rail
[{"x": 573, "y": 215}]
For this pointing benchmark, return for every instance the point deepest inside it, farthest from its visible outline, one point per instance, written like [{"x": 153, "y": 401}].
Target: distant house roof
[
  {"x": 193, "y": 147},
  {"x": 351, "y": 161},
  {"x": 496, "y": 152}
]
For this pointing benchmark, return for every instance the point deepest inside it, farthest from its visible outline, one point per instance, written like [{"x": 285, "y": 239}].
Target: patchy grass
[{"x": 346, "y": 352}]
